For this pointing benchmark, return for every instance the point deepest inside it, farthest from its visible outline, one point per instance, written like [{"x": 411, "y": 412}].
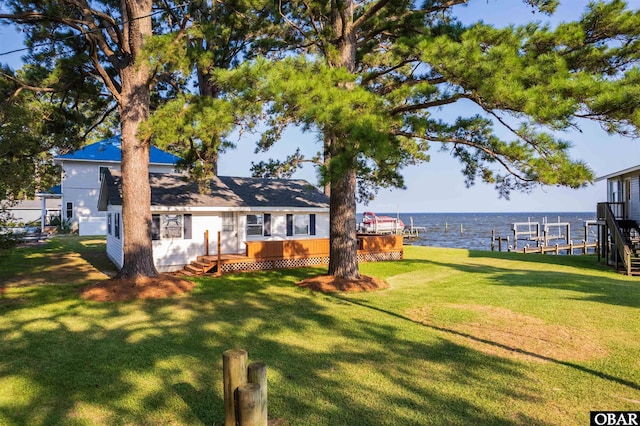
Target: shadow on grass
[
  {"x": 159, "y": 361},
  {"x": 331, "y": 360},
  {"x": 499, "y": 345},
  {"x": 61, "y": 260},
  {"x": 612, "y": 288}
]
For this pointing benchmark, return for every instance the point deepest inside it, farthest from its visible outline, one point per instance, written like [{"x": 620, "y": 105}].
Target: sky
[{"x": 438, "y": 186}]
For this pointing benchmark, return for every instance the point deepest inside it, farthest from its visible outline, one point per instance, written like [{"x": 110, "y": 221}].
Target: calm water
[{"x": 473, "y": 230}]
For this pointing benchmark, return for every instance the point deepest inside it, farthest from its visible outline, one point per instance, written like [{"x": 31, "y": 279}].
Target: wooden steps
[
  {"x": 201, "y": 266},
  {"x": 635, "y": 265},
  {"x": 631, "y": 232}
]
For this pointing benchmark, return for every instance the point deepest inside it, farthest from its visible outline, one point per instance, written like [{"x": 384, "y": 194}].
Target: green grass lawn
[{"x": 460, "y": 337}]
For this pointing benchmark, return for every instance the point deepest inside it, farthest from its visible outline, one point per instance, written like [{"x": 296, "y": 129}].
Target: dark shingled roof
[
  {"x": 257, "y": 192},
  {"x": 225, "y": 191}
]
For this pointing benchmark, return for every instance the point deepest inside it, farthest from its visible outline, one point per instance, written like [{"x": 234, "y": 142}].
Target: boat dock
[
  {"x": 386, "y": 225},
  {"x": 570, "y": 248},
  {"x": 552, "y": 237},
  {"x": 413, "y": 232}
]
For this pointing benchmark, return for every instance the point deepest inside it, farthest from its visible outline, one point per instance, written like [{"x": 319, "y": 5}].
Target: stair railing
[{"x": 623, "y": 251}]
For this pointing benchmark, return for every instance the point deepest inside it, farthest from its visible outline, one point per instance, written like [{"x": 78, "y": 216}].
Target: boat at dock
[
  {"x": 380, "y": 224},
  {"x": 374, "y": 224}
]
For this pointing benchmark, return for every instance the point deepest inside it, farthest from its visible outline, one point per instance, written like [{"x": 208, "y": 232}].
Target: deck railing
[
  {"x": 266, "y": 255},
  {"x": 299, "y": 249},
  {"x": 617, "y": 209},
  {"x": 287, "y": 249}
]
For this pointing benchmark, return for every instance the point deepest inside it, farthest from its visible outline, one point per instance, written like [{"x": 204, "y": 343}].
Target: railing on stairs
[{"x": 623, "y": 251}]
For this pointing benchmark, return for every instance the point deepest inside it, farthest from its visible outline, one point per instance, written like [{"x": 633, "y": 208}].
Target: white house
[
  {"x": 241, "y": 209},
  {"x": 45, "y": 205},
  {"x": 82, "y": 172},
  {"x": 618, "y": 221},
  {"x": 623, "y": 192}
]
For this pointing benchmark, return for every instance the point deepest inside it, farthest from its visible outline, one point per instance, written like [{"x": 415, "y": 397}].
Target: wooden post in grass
[
  {"x": 257, "y": 373},
  {"x": 249, "y": 403},
  {"x": 234, "y": 374},
  {"x": 219, "y": 254},
  {"x": 245, "y": 390},
  {"x": 206, "y": 242}
]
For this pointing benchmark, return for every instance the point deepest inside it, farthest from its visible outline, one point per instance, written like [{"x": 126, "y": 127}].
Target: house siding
[
  {"x": 617, "y": 192},
  {"x": 634, "y": 199},
  {"x": 210, "y": 215},
  {"x": 173, "y": 254},
  {"x": 81, "y": 186},
  {"x": 31, "y": 210},
  {"x": 279, "y": 226},
  {"x": 114, "y": 244}
]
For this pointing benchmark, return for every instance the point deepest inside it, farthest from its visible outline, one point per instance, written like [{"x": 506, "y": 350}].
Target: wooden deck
[{"x": 266, "y": 255}]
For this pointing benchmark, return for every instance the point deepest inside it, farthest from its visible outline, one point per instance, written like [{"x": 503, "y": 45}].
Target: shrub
[{"x": 8, "y": 239}]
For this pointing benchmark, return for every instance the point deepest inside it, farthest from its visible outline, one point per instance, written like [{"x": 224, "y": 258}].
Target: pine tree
[
  {"x": 201, "y": 38},
  {"x": 370, "y": 76},
  {"x": 84, "y": 43}
]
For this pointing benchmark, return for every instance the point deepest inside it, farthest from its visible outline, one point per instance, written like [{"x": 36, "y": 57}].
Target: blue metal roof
[
  {"x": 110, "y": 150},
  {"x": 55, "y": 190}
]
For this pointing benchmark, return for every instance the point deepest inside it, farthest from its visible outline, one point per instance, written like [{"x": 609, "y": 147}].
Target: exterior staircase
[
  {"x": 620, "y": 239},
  {"x": 202, "y": 265},
  {"x": 631, "y": 233}
]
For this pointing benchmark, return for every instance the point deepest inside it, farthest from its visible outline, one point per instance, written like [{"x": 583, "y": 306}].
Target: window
[
  {"x": 109, "y": 224},
  {"x": 116, "y": 227},
  {"x": 254, "y": 225},
  {"x": 69, "y": 210},
  {"x": 301, "y": 224},
  {"x": 168, "y": 226},
  {"x": 171, "y": 226},
  {"x": 614, "y": 191},
  {"x": 228, "y": 223},
  {"x": 259, "y": 225}
]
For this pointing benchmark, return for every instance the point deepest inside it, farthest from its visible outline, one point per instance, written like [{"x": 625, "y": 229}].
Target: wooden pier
[
  {"x": 570, "y": 248},
  {"x": 413, "y": 232},
  {"x": 544, "y": 238}
]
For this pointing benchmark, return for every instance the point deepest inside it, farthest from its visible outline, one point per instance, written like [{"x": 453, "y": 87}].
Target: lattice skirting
[
  {"x": 298, "y": 263},
  {"x": 248, "y": 266},
  {"x": 381, "y": 257}
]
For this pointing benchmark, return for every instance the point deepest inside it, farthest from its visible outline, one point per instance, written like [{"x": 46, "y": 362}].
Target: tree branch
[
  {"x": 416, "y": 107},
  {"x": 369, "y": 13},
  {"x": 94, "y": 41},
  {"x": 470, "y": 144},
  {"x": 290, "y": 22},
  {"x": 100, "y": 121},
  {"x": 374, "y": 75},
  {"x": 24, "y": 86}
]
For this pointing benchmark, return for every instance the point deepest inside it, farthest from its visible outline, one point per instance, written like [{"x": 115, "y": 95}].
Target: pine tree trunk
[
  {"x": 134, "y": 109},
  {"x": 343, "y": 260},
  {"x": 343, "y": 256}
]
